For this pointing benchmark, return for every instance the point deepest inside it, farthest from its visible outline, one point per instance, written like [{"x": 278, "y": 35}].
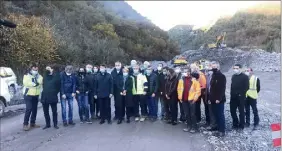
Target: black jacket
[
  {"x": 128, "y": 86},
  {"x": 115, "y": 75},
  {"x": 171, "y": 87},
  {"x": 51, "y": 88},
  {"x": 239, "y": 85},
  {"x": 104, "y": 85},
  {"x": 161, "y": 81},
  {"x": 153, "y": 84},
  {"x": 83, "y": 84},
  {"x": 218, "y": 87},
  {"x": 90, "y": 77}
]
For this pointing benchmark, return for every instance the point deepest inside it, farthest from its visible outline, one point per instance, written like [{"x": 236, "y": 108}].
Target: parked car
[
  {"x": 10, "y": 78},
  {"x": 8, "y": 87}
]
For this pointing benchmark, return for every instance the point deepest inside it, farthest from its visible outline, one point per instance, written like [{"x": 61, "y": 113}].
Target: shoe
[
  {"x": 128, "y": 121},
  {"x": 71, "y": 123},
  {"x": 173, "y": 123},
  {"x": 34, "y": 126},
  {"x": 169, "y": 122},
  {"x": 65, "y": 124},
  {"x": 142, "y": 119},
  {"x": 119, "y": 122},
  {"x": 235, "y": 126},
  {"x": 56, "y": 127},
  {"x": 88, "y": 121},
  {"x": 192, "y": 131},
  {"x": 47, "y": 126},
  {"x": 26, "y": 128},
  {"x": 137, "y": 119},
  {"x": 220, "y": 134},
  {"x": 81, "y": 121},
  {"x": 109, "y": 122},
  {"x": 255, "y": 127},
  {"x": 102, "y": 121},
  {"x": 212, "y": 129},
  {"x": 186, "y": 129}
]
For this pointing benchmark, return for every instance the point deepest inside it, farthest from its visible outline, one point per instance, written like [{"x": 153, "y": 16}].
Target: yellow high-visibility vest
[{"x": 252, "y": 92}]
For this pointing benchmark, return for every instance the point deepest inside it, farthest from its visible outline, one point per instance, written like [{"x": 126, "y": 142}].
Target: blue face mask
[{"x": 125, "y": 74}]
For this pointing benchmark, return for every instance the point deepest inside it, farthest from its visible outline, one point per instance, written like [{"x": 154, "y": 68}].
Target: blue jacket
[{"x": 68, "y": 83}]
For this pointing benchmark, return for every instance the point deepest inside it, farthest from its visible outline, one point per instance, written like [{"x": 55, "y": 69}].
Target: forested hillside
[
  {"x": 77, "y": 32},
  {"x": 255, "y": 27}
]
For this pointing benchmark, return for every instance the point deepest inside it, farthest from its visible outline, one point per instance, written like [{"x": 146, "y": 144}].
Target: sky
[{"x": 167, "y": 14}]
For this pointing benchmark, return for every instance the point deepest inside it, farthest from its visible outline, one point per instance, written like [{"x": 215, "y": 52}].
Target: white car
[{"x": 8, "y": 87}]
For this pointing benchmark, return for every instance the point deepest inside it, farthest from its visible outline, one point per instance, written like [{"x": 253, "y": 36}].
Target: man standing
[
  {"x": 146, "y": 64},
  {"x": 252, "y": 95},
  {"x": 32, "y": 82},
  {"x": 96, "y": 107},
  {"x": 217, "y": 97},
  {"x": 90, "y": 77},
  {"x": 132, "y": 64},
  {"x": 160, "y": 93},
  {"x": 188, "y": 92},
  {"x": 116, "y": 73},
  {"x": 179, "y": 76},
  {"x": 51, "y": 88},
  {"x": 151, "y": 93},
  {"x": 82, "y": 91},
  {"x": 68, "y": 86},
  {"x": 171, "y": 96},
  {"x": 203, "y": 82},
  {"x": 104, "y": 93},
  {"x": 208, "y": 72},
  {"x": 239, "y": 88},
  {"x": 140, "y": 88}
]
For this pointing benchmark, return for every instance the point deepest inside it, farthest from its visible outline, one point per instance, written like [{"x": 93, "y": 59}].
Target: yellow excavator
[
  {"x": 219, "y": 42},
  {"x": 180, "y": 61}
]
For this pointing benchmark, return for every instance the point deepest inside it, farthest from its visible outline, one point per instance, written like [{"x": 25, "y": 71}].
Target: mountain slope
[
  {"x": 258, "y": 27},
  {"x": 125, "y": 11},
  {"x": 81, "y": 32}
]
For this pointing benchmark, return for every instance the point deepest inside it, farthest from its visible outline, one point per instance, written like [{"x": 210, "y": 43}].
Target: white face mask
[
  {"x": 95, "y": 70},
  {"x": 159, "y": 68},
  {"x": 247, "y": 73},
  {"x": 210, "y": 72},
  {"x": 148, "y": 72},
  {"x": 177, "y": 70},
  {"x": 135, "y": 71},
  {"x": 102, "y": 70},
  {"x": 34, "y": 72},
  {"x": 236, "y": 71},
  {"x": 185, "y": 74},
  {"x": 125, "y": 74},
  {"x": 68, "y": 73}
]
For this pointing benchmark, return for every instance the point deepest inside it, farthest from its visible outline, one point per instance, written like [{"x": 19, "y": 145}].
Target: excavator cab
[
  {"x": 219, "y": 42},
  {"x": 181, "y": 61}
]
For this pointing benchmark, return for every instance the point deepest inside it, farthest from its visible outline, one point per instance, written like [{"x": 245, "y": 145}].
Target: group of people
[{"x": 137, "y": 91}]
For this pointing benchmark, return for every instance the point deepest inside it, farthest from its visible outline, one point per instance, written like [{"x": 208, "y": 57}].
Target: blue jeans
[
  {"x": 218, "y": 110},
  {"x": 153, "y": 106},
  {"x": 83, "y": 106},
  {"x": 161, "y": 100},
  {"x": 68, "y": 99}
]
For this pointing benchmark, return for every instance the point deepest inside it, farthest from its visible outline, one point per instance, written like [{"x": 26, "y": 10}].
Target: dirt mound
[{"x": 257, "y": 59}]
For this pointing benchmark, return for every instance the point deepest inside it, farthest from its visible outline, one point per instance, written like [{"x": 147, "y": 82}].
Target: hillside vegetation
[
  {"x": 255, "y": 27},
  {"x": 77, "y": 32}
]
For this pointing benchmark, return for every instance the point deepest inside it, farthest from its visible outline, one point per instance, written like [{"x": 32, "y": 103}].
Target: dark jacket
[
  {"x": 94, "y": 82},
  {"x": 115, "y": 76},
  {"x": 83, "y": 84},
  {"x": 258, "y": 85},
  {"x": 51, "y": 88},
  {"x": 128, "y": 86},
  {"x": 104, "y": 85},
  {"x": 171, "y": 87},
  {"x": 68, "y": 83},
  {"x": 153, "y": 84},
  {"x": 161, "y": 81},
  {"x": 90, "y": 77},
  {"x": 239, "y": 85},
  {"x": 217, "y": 88}
]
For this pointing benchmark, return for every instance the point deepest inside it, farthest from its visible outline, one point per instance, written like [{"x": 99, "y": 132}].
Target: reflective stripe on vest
[{"x": 252, "y": 92}]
